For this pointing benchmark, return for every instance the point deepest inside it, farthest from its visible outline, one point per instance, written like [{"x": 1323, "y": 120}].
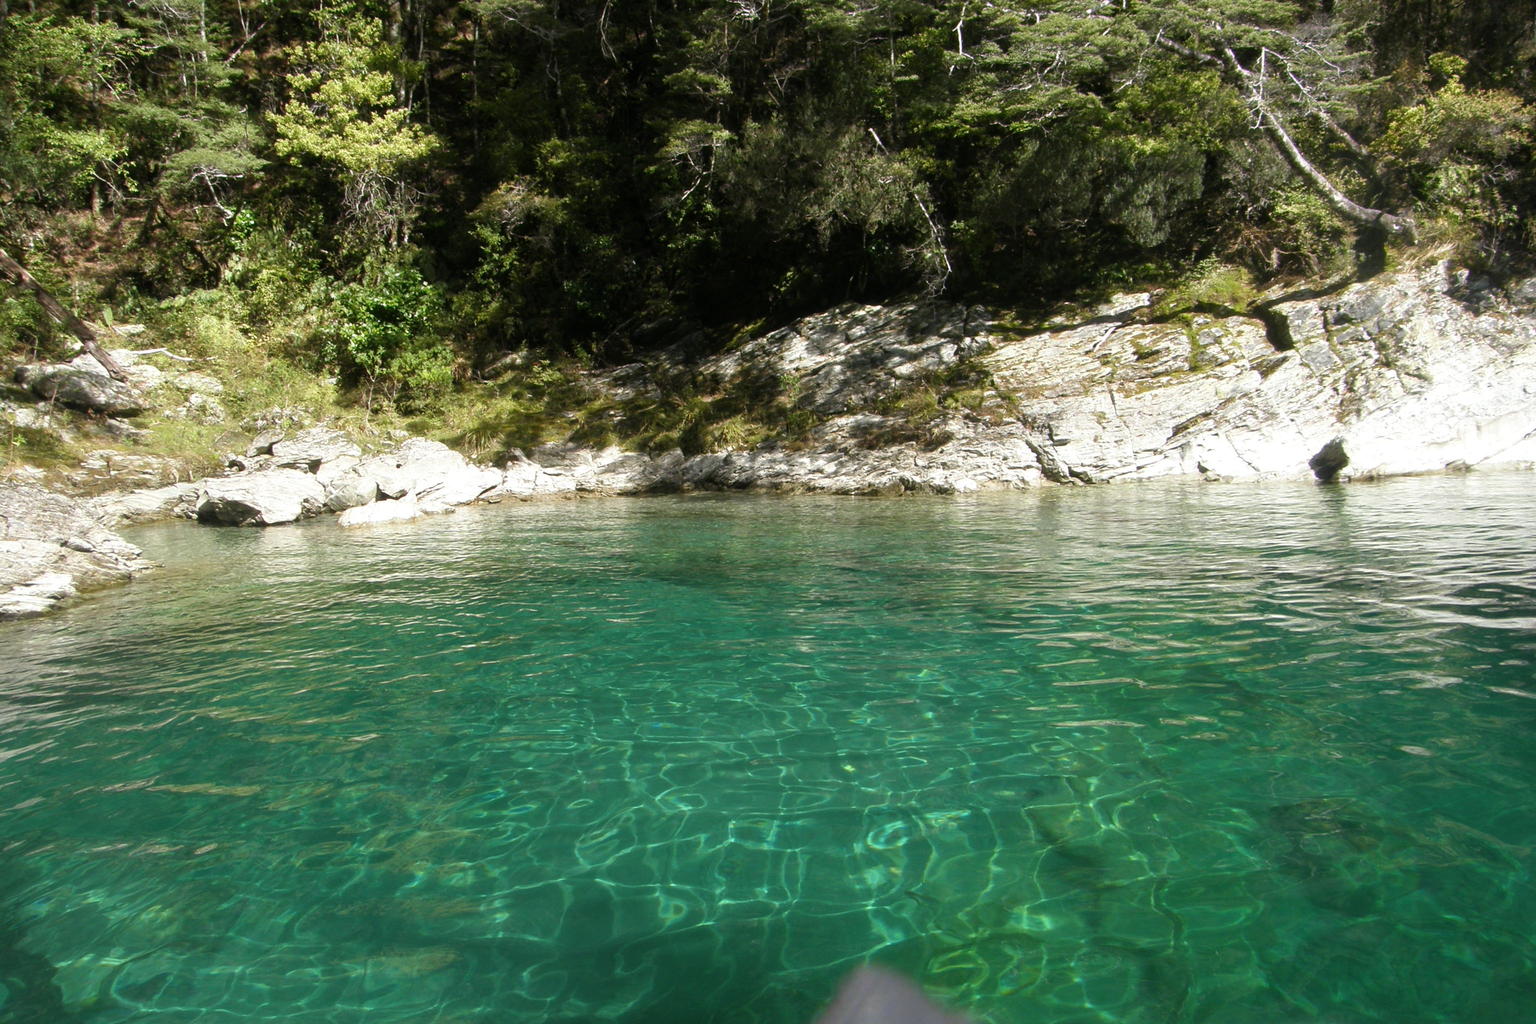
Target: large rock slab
[
  {"x": 1391, "y": 376},
  {"x": 309, "y": 449},
  {"x": 172, "y": 501},
  {"x": 142, "y": 375},
  {"x": 847, "y": 359},
  {"x": 554, "y": 469},
  {"x": 52, "y": 547},
  {"x": 845, "y": 457},
  {"x": 269, "y": 498},
  {"x": 428, "y": 469},
  {"x": 1421, "y": 370},
  {"x": 80, "y": 388},
  {"x": 524, "y": 477}
]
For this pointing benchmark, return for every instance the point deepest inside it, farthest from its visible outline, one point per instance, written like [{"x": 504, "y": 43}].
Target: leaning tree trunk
[
  {"x": 54, "y": 308},
  {"x": 1249, "y": 83},
  {"x": 1363, "y": 216}
]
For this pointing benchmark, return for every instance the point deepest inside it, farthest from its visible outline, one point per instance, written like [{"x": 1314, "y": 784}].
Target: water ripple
[{"x": 1145, "y": 754}]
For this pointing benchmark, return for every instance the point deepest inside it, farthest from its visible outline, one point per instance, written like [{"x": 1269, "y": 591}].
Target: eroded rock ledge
[
  {"x": 52, "y": 548},
  {"x": 1419, "y": 371}
]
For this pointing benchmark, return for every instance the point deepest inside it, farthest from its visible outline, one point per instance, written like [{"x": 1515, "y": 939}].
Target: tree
[
  {"x": 345, "y": 112},
  {"x": 1284, "y": 77},
  {"x": 57, "y": 80}
]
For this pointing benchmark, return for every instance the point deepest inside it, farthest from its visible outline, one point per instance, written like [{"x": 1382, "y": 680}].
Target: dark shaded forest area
[{"x": 400, "y": 191}]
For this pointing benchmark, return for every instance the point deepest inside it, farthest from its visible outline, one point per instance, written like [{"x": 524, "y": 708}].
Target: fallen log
[{"x": 54, "y": 308}]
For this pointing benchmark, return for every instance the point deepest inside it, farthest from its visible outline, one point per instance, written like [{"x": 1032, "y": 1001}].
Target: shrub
[{"x": 387, "y": 338}]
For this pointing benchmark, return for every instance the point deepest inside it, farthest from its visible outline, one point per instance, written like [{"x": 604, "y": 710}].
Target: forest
[{"x": 398, "y": 194}]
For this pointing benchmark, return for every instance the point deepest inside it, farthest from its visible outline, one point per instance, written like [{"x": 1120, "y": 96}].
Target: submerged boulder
[{"x": 390, "y": 510}]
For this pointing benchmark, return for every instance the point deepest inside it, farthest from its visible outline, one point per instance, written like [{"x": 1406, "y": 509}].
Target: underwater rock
[{"x": 390, "y": 510}]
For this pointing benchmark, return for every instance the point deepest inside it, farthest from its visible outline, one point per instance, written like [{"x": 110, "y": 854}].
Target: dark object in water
[{"x": 872, "y": 995}]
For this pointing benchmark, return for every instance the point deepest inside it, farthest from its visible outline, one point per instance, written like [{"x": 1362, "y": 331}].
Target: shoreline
[{"x": 1415, "y": 372}]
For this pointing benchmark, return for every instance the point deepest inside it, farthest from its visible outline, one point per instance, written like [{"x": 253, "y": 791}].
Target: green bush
[
  {"x": 1306, "y": 232},
  {"x": 388, "y": 337}
]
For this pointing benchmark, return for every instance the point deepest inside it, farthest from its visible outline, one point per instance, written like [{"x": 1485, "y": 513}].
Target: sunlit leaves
[
  {"x": 345, "y": 111},
  {"x": 1453, "y": 148},
  {"x": 344, "y": 107},
  {"x": 56, "y": 77}
]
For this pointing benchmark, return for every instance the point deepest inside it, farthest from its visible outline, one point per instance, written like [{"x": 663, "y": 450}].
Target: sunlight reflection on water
[{"x": 1133, "y": 754}]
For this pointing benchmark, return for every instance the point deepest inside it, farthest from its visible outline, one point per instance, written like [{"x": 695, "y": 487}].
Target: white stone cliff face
[
  {"x": 1413, "y": 372},
  {"x": 1396, "y": 375}
]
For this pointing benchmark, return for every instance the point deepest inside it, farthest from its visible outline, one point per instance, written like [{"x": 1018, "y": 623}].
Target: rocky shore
[
  {"x": 53, "y": 547},
  {"x": 1418, "y": 371}
]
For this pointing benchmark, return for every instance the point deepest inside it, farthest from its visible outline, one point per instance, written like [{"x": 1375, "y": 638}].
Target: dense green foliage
[{"x": 399, "y": 187}]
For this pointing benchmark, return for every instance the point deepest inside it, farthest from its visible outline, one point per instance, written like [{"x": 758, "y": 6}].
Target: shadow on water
[
  {"x": 1347, "y": 860},
  {"x": 705, "y": 985},
  {"x": 29, "y": 992}
]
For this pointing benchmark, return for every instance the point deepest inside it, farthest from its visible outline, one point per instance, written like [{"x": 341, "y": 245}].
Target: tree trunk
[
  {"x": 1364, "y": 217},
  {"x": 73, "y": 324}
]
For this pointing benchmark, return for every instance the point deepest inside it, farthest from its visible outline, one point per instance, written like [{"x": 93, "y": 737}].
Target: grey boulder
[
  {"x": 310, "y": 449},
  {"x": 80, "y": 388},
  {"x": 429, "y": 469},
  {"x": 268, "y": 498}
]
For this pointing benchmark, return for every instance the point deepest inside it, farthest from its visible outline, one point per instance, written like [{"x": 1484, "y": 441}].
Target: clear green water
[{"x": 1140, "y": 754}]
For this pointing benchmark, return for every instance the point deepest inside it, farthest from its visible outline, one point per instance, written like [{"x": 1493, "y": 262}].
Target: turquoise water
[{"x": 1137, "y": 754}]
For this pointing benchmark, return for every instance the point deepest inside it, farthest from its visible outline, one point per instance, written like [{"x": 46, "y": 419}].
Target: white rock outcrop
[
  {"x": 51, "y": 547},
  {"x": 311, "y": 449},
  {"x": 423, "y": 469},
  {"x": 1411, "y": 372},
  {"x": 267, "y": 498},
  {"x": 1396, "y": 375}
]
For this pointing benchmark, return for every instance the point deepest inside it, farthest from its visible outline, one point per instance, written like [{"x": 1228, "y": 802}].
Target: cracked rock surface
[
  {"x": 52, "y": 547},
  {"x": 1412, "y": 372},
  {"x": 1395, "y": 375}
]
